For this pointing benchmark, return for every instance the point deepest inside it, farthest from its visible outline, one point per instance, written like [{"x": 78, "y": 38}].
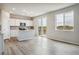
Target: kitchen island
[{"x": 25, "y": 35}]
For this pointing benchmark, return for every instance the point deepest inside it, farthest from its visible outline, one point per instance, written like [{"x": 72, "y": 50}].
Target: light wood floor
[{"x": 39, "y": 46}]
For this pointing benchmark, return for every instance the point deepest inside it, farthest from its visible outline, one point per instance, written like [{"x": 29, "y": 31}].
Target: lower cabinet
[{"x": 26, "y": 35}]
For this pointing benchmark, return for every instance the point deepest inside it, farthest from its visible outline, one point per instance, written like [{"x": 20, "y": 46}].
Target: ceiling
[{"x": 33, "y": 9}]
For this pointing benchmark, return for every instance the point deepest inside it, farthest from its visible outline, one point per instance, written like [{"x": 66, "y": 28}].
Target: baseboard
[{"x": 64, "y": 42}]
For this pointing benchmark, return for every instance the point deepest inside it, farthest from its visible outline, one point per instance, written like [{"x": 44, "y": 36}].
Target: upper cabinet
[
  {"x": 16, "y": 22},
  {"x": 29, "y": 23},
  {"x": 12, "y": 22}
]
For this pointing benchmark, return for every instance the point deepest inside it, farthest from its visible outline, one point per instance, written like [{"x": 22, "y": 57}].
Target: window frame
[{"x": 64, "y": 21}]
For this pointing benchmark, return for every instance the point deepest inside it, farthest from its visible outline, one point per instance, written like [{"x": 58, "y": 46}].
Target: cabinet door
[
  {"x": 17, "y": 22},
  {"x": 29, "y": 23},
  {"x": 12, "y": 22}
]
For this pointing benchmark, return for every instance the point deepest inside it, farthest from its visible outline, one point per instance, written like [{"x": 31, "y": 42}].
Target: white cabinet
[
  {"x": 26, "y": 35},
  {"x": 13, "y": 33},
  {"x": 12, "y": 22},
  {"x": 29, "y": 23},
  {"x": 16, "y": 22}
]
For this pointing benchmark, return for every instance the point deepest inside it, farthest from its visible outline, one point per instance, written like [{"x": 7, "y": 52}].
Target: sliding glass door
[{"x": 42, "y": 26}]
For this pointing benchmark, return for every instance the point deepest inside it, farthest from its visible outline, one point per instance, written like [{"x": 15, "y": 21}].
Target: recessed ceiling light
[{"x": 13, "y": 9}]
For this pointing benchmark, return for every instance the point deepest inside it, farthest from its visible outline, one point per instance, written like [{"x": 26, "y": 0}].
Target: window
[
  {"x": 42, "y": 25},
  {"x": 59, "y": 21},
  {"x": 39, "y": 22},
  {"x": 69, "y": 21},
  {"x": 65, "y": 21}
]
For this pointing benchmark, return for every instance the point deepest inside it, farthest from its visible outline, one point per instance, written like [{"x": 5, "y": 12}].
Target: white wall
[
  {"x": 0, "y": 17},
  {"x": 67, "y": 36},
  {"x": 5, "y": 24}
]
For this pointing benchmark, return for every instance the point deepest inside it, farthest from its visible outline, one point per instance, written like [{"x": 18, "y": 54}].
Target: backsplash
[{"x": 17, "y": 27}]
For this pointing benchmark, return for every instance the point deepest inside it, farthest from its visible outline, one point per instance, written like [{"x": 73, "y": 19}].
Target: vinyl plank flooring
[{"x": 39, "y": 46}]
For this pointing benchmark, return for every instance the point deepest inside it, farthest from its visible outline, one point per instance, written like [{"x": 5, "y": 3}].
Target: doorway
[{"x": 42, "y": 26}]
